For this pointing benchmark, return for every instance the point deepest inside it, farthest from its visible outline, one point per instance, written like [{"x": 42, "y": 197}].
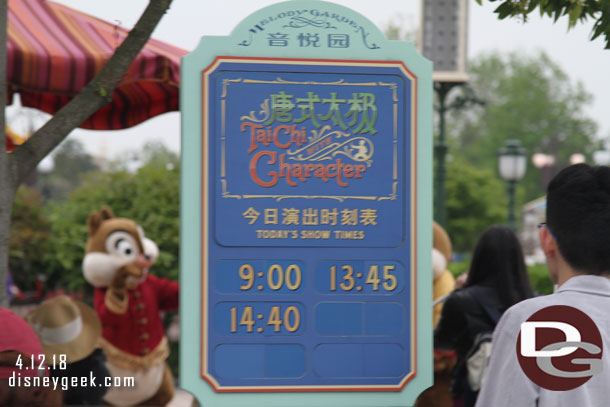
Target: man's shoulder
[
  {"x": 534, "y": 302},
  {"x": 520, "y": 312}
]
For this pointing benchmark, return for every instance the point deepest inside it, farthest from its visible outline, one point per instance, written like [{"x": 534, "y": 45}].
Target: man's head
[
  {"x": 578, "y": 220},
  {"x": 20, "y": 348}
]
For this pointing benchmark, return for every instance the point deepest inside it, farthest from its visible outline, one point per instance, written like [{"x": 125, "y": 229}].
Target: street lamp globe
[
  {"x": 601, "y": 157},
  {"x": 511, "y": 165},
  {"x": 577, "y": 158},
  {"x": 512, "y": 161},
  {"x": 541, "y": 160}
]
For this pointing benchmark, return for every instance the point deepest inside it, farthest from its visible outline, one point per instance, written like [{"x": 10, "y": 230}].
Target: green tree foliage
[
  {"x": 576, "y": 10},
  {"x": 475, "y": 200},
  {"x": 151, "y": 197},
  {"x": 527, "y": 98},
  {"x": 71, "y": 164},
  {"x": 29, "y": 239}
]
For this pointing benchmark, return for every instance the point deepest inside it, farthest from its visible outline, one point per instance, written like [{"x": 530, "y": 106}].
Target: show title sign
[
  {"x": 306, "y": 213},
  {"x": 313, "y": 157},
  {"x": 290, "y": 141}
]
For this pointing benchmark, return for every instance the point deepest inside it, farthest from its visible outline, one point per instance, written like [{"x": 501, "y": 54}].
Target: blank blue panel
[
  {"x": 284, "y": 360},
  {"x": 339, "y": 318},
  {"x": 359, "y": 360},
  {"x": 383, "y": 360},
  {"x": 383, "y": 318},
  {"x": 338, "y": 360},
  {"x": 239, "y": 361}
]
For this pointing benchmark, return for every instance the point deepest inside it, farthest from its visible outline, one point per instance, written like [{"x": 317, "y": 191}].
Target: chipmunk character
[
  {"x": 128, "y": 300},
  {"x": 444, "y": 282},
  {"x": 439, "y": 395}
]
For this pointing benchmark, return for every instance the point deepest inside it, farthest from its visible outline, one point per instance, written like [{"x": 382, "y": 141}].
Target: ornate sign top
[{"x": 308, "y": 24}]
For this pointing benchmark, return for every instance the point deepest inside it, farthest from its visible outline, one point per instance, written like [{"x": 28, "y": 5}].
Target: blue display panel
[{"x": 308, "y": 233}]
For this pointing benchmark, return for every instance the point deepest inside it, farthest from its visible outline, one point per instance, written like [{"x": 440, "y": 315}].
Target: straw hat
[{"x": 66, "y": 326}]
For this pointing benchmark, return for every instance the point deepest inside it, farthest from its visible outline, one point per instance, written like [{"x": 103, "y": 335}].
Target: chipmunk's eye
[
  {"x": 124, "y": 246},
  {"x": 121, "y": 243}
]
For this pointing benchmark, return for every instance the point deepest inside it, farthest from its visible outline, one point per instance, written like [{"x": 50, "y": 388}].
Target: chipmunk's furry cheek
[
  {"x": 439, "y": 263},
  {"x": 99, "y": 268},
  {"x": 150, "y": 249}
]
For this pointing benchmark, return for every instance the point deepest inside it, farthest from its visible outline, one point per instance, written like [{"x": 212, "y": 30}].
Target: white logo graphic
[{"x": 571, "y": 343}]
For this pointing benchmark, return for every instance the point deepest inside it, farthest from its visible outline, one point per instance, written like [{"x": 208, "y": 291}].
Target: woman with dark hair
[{"x": 497, "y": 279}]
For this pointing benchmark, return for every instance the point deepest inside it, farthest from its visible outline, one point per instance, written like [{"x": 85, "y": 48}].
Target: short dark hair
[
  {"x": 578, "y": 216},
  {"x": 498, "y": 262}
]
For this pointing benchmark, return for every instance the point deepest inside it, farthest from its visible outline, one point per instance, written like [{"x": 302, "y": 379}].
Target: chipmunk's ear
[
  {"x": 96, "y": 219},
  {"x": 94, "y": 222},
  {"x": 106, "y": 212}
]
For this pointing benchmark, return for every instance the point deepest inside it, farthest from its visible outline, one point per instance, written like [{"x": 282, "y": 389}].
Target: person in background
[
  {"x": 497, "y": 279},
  {"x": 575, "y": 241},
  {"x": 70, "y": 331},
  {"x": 439, "y": 395},
  {"x": 20, "y": 349}
]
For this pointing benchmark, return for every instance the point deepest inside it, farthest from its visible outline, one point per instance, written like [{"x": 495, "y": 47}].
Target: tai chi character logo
[{"x": 362, "y": 151}]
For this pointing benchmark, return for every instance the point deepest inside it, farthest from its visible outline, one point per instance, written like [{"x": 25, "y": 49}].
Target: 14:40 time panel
[{"x": 308, "y": 248}]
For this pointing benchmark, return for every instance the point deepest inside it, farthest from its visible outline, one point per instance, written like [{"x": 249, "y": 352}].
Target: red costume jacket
[{"x": 139, "y": 330}]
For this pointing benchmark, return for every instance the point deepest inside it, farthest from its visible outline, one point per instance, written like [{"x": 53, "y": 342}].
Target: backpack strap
[{"x": 478, "y": 293}]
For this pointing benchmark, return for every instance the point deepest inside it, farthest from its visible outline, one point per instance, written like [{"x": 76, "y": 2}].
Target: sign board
[
  {"x": 444, "y": 33},
  {"x": 306, "y": 213}
]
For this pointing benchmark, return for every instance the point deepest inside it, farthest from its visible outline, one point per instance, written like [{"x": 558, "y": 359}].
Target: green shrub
[
  {"x": 457, "y": 268},
  {"x": 150, "y": 197},
  {"x": 539, "y": 277}
]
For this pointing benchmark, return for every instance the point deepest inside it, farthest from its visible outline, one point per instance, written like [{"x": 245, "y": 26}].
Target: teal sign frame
[{"x": 324, "y": 53}]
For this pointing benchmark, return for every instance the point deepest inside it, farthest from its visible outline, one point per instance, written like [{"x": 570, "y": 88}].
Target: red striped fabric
[{"x": 53, "y": 51}]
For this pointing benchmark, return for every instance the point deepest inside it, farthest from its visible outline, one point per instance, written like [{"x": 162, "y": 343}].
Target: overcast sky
[{"x": 188, "y": 20}]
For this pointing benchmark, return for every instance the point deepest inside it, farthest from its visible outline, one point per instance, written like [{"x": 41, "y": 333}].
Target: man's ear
[{"x": 548, "y": 243}]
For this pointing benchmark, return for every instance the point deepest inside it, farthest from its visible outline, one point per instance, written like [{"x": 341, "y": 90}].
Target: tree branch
[
  {"x": 92, "y": 97},
  {"x": 7, "y": 192}
]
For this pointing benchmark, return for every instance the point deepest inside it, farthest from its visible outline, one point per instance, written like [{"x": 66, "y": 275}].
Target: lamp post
[
  {"x": 440, "y": 152},
  {"x": 467, "y": 98},
  {"x": 511, "y": 165},
  {"x": 443, "y": 41}
]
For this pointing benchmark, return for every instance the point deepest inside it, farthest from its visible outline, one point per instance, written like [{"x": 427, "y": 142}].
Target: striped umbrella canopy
[{"x": 53, "y": 51}]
